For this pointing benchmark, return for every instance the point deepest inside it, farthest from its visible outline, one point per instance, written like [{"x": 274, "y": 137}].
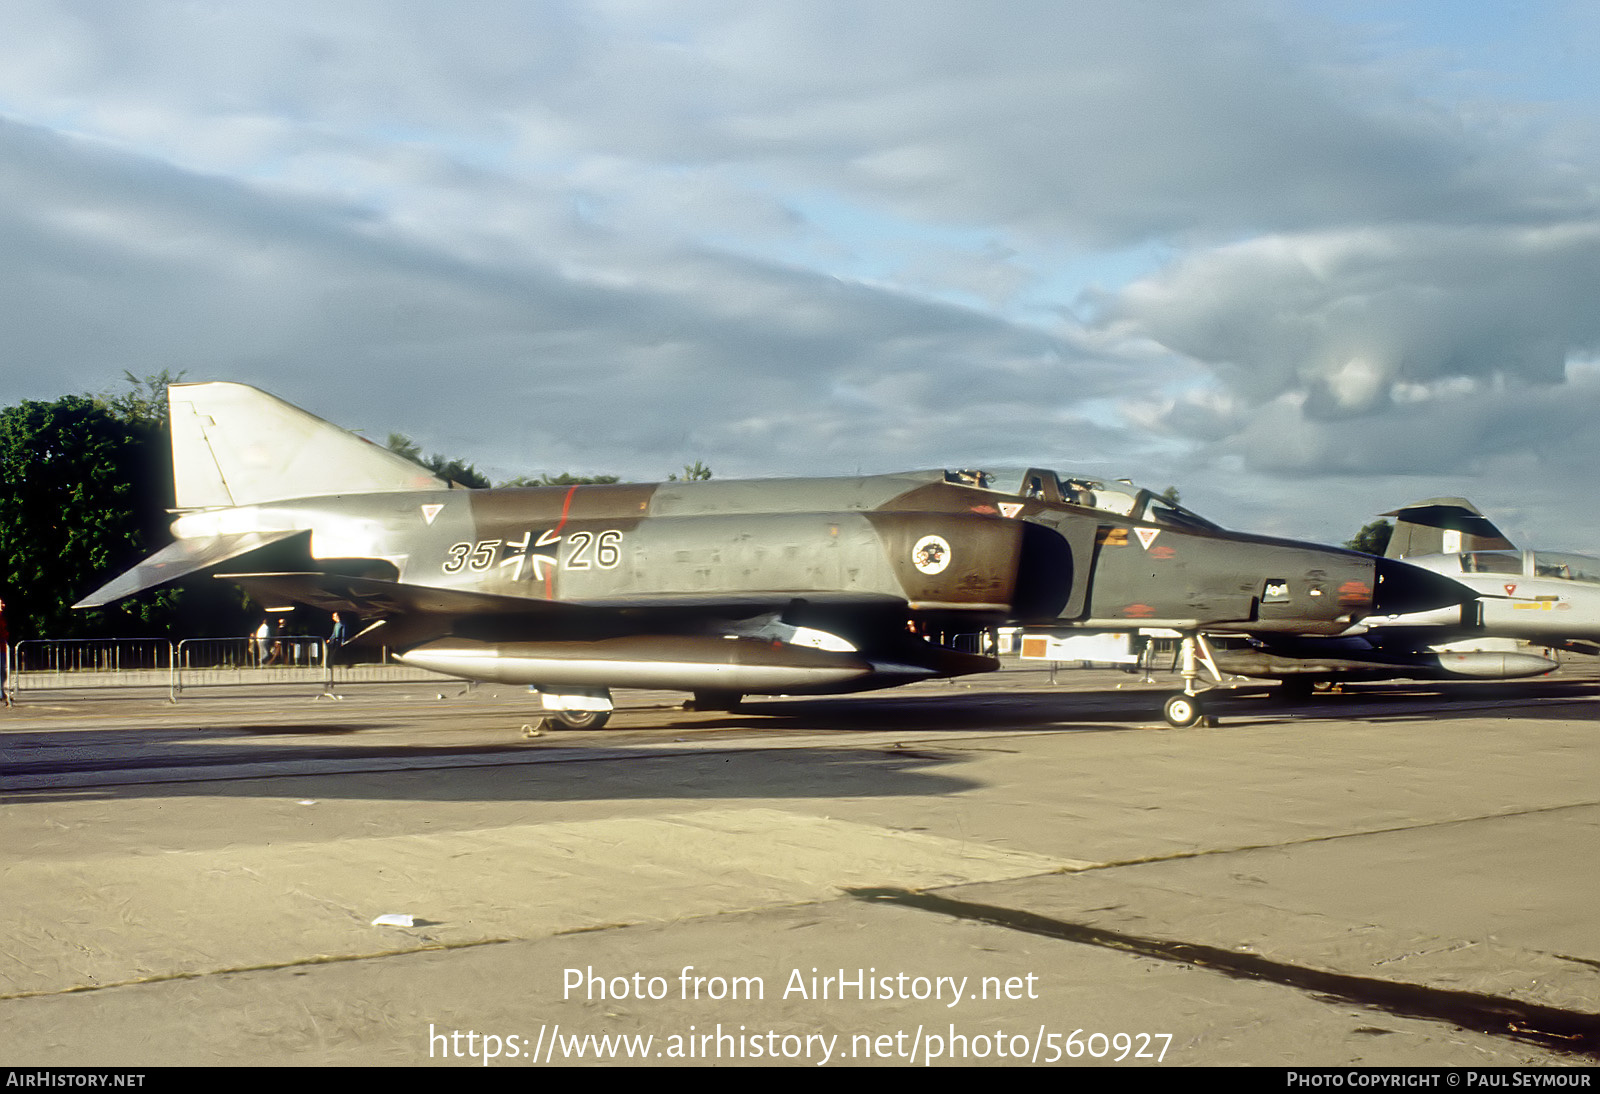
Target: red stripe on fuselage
[{"x": 566, "y": 506}]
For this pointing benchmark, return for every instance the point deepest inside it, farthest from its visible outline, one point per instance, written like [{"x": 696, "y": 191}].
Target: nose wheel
[
  {"x": 1186, "y": 708},
  {"x": 1182, "y": 710}
]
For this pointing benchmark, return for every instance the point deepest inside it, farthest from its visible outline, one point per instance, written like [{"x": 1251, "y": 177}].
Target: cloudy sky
[{"x": 1306, "y": 260}]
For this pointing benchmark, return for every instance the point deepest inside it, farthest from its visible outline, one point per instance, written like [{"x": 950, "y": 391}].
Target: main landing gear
[
  {"x": 574, "y": 719},
  {"x": 571, "y": 708}
]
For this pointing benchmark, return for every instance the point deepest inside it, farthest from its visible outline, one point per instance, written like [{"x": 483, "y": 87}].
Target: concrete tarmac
[{"x": 998, "y": 871}]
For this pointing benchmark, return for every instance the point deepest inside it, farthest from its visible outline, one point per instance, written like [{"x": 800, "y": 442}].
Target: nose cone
[{"x": 1404, "y": 589}]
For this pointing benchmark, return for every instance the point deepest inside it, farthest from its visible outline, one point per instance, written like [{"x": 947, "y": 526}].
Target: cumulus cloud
[
  {"x": 603, "y": 353},
  {"x": 1349, "y": 315},
  {"x": 621, "y": 235}
]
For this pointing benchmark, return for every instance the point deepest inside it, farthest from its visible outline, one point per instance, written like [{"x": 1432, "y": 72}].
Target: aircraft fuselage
[{"x": 726, "y": 587}]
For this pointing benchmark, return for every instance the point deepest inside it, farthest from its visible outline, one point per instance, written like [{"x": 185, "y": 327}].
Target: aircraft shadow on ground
[
  {"x": 874, "y": 769},
  {"x": 988, "y": 711},
  {"x": 1101, "y": 710},
  {"x": 748, "y": 773}
]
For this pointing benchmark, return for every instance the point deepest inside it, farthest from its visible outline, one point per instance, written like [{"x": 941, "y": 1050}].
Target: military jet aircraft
[
  {"x": 721, "y": 588},
  {"x": 1547, "y": 598}
]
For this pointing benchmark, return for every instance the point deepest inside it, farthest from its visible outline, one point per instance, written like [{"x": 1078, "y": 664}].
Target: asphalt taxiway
[{"x": 996, "y": 871}]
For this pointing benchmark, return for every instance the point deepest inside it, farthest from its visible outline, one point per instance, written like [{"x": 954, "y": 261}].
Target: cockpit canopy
[
  {"x": 1556, "y": 564},
  {"x": 1120, "y": 498}
]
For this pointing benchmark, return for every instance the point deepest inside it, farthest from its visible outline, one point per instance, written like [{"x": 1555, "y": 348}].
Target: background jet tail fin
[
  {"x": 233, "y": 444},
  {"x": 1443, "y": 526}
]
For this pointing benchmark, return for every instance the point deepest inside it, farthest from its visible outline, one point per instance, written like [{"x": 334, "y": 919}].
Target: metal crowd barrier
[
  {"x": 39, "y": 664},
  {"x": 53, "y": 655},
  {"x": 223, "y": 662},
  {"x": 45, "y": 664}
]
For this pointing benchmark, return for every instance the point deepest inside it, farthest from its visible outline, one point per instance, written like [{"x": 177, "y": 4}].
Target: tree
[
  {"x": 563, "y": 479},
  {"x": 144, "y": 401},
  {"x": 456, "y": 471},
  {"x": 692, "y": 472},
  {"x": 1373, "y": 538},
  {"x": 78, "y": 499},
  {"x": 85, "y": 489}
]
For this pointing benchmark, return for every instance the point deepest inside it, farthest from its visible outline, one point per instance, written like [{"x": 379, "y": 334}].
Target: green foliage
[
  {"x": 1373, "y": 538},
  {"x": 563, "y": 479},
  {"x": 85, "y": 485},
  {"x": 456, "y": 471},
  {"x": 75, "y": 492},
  {"x": 401, "y": 445},
  {"x": 468, "y": 475},
  {"x": 1171, "y": 494},
  {"x": 145, "y": 401}
]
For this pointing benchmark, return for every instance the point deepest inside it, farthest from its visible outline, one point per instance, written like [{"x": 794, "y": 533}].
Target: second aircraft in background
[{"x": 1549, "y": 599}]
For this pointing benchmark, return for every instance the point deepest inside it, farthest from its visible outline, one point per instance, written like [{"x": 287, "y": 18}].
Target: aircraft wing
[
  {"x": 365, "y": 596},
  {"x": 368, "y": 596},
  {"x": 1359, "y": 657}
]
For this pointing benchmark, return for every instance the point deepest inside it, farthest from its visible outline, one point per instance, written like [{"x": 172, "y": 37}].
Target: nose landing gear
[{"x": 1187, "y": 708}]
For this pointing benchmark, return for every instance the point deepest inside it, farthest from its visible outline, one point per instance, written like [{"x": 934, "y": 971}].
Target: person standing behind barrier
[
  {"x": 263, "y": 639},
  {"x": 276, "y": 657},
  {"x": 338, "y": 637}
]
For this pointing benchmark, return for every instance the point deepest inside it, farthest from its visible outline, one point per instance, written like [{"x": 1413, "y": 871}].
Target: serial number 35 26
[{"x": 587, "y": 551}]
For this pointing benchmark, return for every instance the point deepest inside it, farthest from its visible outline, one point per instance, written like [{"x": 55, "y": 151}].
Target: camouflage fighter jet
[
  {"x": 721, "y": 588},
  {"x": 1550, "y": 599}
]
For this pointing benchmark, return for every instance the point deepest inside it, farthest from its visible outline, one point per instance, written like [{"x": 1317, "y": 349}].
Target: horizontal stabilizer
[
  {"x": 178, "y": 560},
  {"x": 367, "y": 596}
]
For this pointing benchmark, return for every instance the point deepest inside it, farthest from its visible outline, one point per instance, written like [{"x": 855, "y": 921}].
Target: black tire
[
  {"x": 577, "y": 719},
  {"x": 1182, "y": 711}
]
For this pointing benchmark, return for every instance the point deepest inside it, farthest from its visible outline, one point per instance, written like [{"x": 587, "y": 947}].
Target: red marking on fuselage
[
  {"x": 555, "y": 536},
  {"x": 1355, "y": 592},
  {"x": 1138, "y": 611}
]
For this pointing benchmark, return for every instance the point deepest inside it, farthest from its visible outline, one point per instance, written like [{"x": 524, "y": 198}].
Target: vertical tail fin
[
  {"x": 1443, "y": 526},
  {"x": 233, "y": 444}
]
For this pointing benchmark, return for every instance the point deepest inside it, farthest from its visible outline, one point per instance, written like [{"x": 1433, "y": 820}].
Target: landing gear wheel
[
  {"x": 1182, "y": 711},
  {"x": 576, "y": 719}
]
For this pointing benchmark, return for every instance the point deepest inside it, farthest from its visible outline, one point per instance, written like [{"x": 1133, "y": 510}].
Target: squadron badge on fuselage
[{"x": 931, "y": 554}]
